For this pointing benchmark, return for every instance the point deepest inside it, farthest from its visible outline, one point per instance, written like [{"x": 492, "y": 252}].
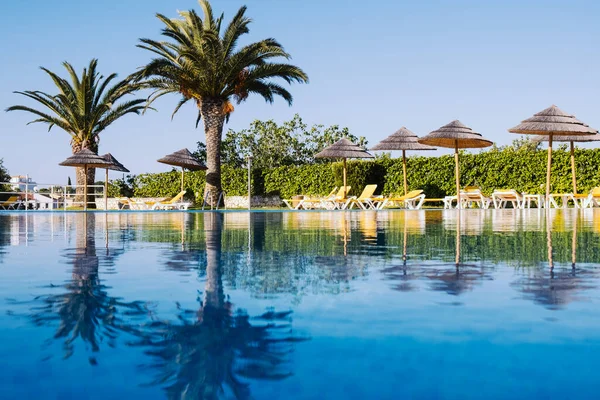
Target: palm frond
[
  {"x": 200, "y": 60},
  {"x": 85, "y": 105}
]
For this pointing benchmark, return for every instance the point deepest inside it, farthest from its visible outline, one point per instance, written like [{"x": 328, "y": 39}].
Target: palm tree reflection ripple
[
  {"x": 210, "y": 351},
  {"x": 86, "y": 310}
]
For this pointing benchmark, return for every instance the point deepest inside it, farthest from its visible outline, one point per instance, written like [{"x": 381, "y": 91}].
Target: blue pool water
[{"x": 300, "y": 305}]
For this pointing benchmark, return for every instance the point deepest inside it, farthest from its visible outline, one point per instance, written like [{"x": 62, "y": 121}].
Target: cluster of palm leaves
[{"x": 200, "y": 61}]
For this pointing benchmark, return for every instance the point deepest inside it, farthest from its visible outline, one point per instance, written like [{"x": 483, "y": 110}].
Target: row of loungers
[
  {"x": 338, "y": 200},
  {"x": 174, "y": 203},
  {"x": 470, "y": 197},
  {"x": 501, "y": 198}
]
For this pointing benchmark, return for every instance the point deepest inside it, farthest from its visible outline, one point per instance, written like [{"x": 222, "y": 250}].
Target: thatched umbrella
[
  {"x": 87, "y": 159},
  {"x": 403, "y": 139},
  {"x": 458, "y": 136},
  {"x": 552, "y": 122},
  {"x": 184, "y": 159},
  {"x": 572, "y": 140},
  {"x": 115, "y": 165},
  {"x": 344, "y": 149}
]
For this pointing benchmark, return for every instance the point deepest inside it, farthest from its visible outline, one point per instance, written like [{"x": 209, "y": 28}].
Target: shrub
[{"x": 521, "y": 169}]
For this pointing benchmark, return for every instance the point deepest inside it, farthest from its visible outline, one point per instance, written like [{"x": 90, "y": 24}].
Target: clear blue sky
[{"x": 374, "y": 67}]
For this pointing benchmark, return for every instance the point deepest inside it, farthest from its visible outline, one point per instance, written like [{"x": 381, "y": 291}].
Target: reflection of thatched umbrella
[
  {"x": 115, "y": 165},
  {"x": 572, "y": 140},
  {"x": 345, "y": 149},
  {"x": 184, "y": 159},
  {"x": 457, "y": 136},
  {"x": 550, "y": 122},
  {"x": 403, "y": 139},
  {"x": 87, "y": 159}
]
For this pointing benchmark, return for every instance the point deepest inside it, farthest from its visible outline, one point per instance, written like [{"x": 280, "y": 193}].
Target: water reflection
[
  {"x": 554, "y": 288},
  {"x": 5, "y": 234},
  {"x": 209, "y": 352},
  {"x": 83, "y": 309},
  {"x": 453, "y": 278},
  {"x": 185, "y": 253}
]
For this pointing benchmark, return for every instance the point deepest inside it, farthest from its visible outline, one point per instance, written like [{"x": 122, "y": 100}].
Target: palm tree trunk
[
  {"x": 80, "y": 179},
  {"x": 214, "y": 118}
]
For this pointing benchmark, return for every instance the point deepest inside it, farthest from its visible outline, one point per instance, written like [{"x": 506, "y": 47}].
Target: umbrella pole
[
  {"x": 548, "y": 167},
  {"x": 85, "y": 199},
  {"x": 106, "y": 191},
  {"x": 404, "y": 171},
  {"x": 573, "y": 168},
  {"x": 344, "y": 179},
  {"x": 549, "y": 239},
  {"x": 457, "y": 174},
  {"x": 182, "y": 179},
  {"x": 574, "y": 242},
  {"x": 405, "y": 239},
  {"x": 457, "y": 258}
]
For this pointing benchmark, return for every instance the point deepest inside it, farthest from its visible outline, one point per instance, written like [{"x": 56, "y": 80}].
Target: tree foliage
[
  {"x": 83, "y": 107},
  {"x": 4, "y": 175},
  {"x": 203, "y": 60},
  {"x": 274, "y": 145}
]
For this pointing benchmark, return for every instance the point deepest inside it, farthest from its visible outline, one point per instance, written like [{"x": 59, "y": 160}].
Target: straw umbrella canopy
[
  {"x": 87, "y": 159},
  {"x": 115, "y": 165},
  {"x": 571, "y": 140},
  {"x": 552, "y": 122},
  {"x": 458, "y": 136},
  {"x": 184, "y": 159},
  {"x": 344, "y": 149},
  {"x": 403, "y": 139}
]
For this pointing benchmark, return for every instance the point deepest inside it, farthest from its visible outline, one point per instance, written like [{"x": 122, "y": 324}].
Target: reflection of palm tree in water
[
  {"x": 85, "y": 310},
  {"x": 207, "y": 356}
]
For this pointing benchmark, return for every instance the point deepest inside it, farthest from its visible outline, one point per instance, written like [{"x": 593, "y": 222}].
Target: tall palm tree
[
  {"x": 202, "y": 62},
  {"x": 83, "y": 108}
]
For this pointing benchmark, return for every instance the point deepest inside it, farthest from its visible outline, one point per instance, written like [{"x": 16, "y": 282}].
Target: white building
[{"x": 21, "y": 182}]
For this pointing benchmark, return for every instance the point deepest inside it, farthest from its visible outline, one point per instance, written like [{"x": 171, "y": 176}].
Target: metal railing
[{"x": 47, "y": 196}]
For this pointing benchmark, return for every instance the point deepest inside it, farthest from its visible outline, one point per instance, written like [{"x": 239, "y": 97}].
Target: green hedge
[{"x": 522, "y": 170}]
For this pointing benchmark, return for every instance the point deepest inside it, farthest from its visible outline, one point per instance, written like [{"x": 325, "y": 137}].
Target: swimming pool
[{"x": 432, "y": 304}]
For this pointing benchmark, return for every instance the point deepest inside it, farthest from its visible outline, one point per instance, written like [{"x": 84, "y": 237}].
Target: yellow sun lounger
[
  {"x": 337, "y": 201},
  {"x": 174, "y": 203},
  {"x": 299, "y": 202},
  {"x": 12, "y": 203},
  {"x": 413, "y": 200},
  {"x": 472, "y": 195},
  {"x": 589, "y": 200},
  {"x": 501, "y": 197},
  {"x": 365, "y": 200}
]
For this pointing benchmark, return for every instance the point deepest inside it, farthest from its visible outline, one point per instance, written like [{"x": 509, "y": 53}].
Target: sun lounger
[
  {"x": 412, "y": 200},
  {"x": 366, "y": 200},
  {"x": 337, "y": 201},
  {"x": 299, "y": 202},
  {"x": 589, "y": 200},
  {"x": 172, "y": 204},
  {"x": 565, "y": 197},
  {"x": 538, "y": 199},
  {"x": 12, "y": 203},
  {"x": 131, "y": 204},
  {"x": 472, "y": 195},
  {"x": 330, "y": 201},
  {"x": 448, "y": 200},
  {"x": 501, "y": 197}
]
